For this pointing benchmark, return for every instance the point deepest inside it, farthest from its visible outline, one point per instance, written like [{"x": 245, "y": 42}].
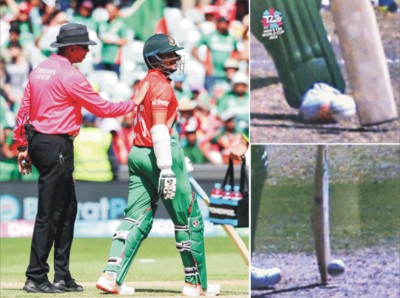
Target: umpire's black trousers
[{"x": 53, "y": 156}]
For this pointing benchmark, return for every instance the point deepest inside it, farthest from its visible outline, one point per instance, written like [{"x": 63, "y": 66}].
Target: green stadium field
[{"x": 156, "y": 271}]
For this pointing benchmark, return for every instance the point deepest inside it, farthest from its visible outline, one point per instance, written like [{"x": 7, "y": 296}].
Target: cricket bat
[
  {"x": 230, "y": 230},
  {"x": 365, "y": 60},
  {"x": 320, "y": 213}
]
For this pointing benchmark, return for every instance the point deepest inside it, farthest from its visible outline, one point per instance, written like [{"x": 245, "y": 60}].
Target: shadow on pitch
[
  {"x": 157, "y": 291},
  {"x": 272, "y": 291},
  {"x": 153, "y": 291},
  {"x": 324, "y": 128},
  {"x": 292, "y": 117},
  {"x": 258, "y": 83}
]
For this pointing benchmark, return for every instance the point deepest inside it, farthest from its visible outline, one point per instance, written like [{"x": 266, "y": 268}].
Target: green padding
[
  {"x": 302, "y": 54},
  {"x": 196, "y": 227},
  {"x": 132, "y": 243},
  {"x": 193, "y": 241},
  {"x": 183, "y": 237}
]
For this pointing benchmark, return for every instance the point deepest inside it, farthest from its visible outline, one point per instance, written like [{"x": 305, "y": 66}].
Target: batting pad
[
  {"x": 298, "y": 44},
  {"x": 133, "y": 240},
  {"x": 190, "y": 244}
]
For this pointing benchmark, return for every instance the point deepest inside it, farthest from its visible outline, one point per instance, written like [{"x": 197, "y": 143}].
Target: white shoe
[
  {"x": 195, "y": 291},
  {"x": 263, "y": 278},
  {"x": 343, "y": 107},
  {"x": 107, "y": 284},
  {"x": 323, "y": 103}
]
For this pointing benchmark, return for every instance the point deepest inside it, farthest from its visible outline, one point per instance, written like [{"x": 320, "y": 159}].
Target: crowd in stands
[{"x": 212, "y": 93}]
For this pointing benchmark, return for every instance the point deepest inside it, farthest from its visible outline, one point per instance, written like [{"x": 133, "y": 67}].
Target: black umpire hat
[{"x": 72, "y": 34}]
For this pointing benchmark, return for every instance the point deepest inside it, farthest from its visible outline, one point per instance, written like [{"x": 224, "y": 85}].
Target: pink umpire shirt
[{"x": 53, "y": 98}]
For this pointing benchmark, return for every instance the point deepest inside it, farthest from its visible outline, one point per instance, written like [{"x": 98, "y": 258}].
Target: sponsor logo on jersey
[
  {"x": 48, "y": 71},
  {"x": 44, "y": 73},
  {"x": 159, "y": 102}
]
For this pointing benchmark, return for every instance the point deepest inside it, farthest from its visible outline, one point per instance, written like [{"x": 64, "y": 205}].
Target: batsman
[{"x": 156, "y": 162}]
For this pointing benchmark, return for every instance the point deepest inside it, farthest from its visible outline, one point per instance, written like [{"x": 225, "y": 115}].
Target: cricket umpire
[{"x": 47, "y": 122}]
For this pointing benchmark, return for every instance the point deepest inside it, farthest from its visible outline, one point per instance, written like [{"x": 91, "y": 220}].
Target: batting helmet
[{"x": 157, "y": 45}]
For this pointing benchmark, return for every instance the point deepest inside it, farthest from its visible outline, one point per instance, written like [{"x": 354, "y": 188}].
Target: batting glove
[{"x": 167, "y": 184}]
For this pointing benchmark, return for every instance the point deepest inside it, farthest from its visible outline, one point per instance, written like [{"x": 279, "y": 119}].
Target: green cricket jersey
[{"x": 221, "y": 47}]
